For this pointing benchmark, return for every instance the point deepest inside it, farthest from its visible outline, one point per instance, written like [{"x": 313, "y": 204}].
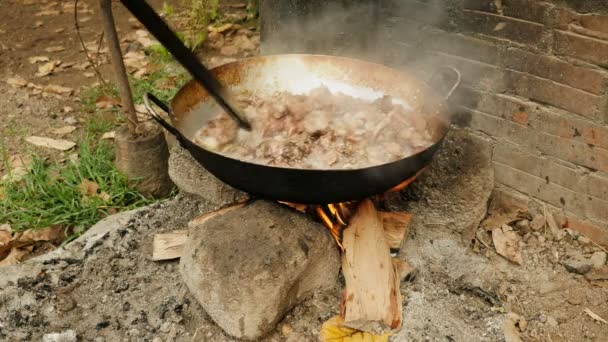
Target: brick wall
[{"x": 535, "y": 81}]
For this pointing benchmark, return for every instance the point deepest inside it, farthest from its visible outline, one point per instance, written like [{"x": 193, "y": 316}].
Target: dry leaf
[
  {"x": 109, "y": 135},
  {"x": 57, "y": 144},
  {"x": 38, "y": 59},
  {"x": 595, "y": 316},
  {"x": 57, "y": 89},
  {"x": 89, "y": 74},
  {"x": 14, "y": 257},
  {"x": 510, "y": 329},
  {"x": 47, "y": 12},
  {"x": 106, "y": 102},
  {"x": 53, "y": 233},
  {"x": 17, "y": 82},
  {"x": 506, "y": 242},
  {"x": 500, "y": 26},
  {"x": 5, "y": 235},
  {"x": 143, "y": 37},
  {"x": 19, "y": 166},
  {"x": 555, "y": 230},
  {"x": 68, "y": 109},
  {"x": 334, "y": 330},
  {"x": 63, "y": 130},
  {"x": 88, "y": 188},
  {"x": 221, "y": 28},
  {"x": 54, "y": 49},
  {"x": 46, "y": 68},
  {"x": 38, "y": 24},
  {"x": 59, "y": 30}
]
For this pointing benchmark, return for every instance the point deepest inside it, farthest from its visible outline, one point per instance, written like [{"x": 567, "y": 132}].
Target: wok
[{"x": 261, "y": 76}]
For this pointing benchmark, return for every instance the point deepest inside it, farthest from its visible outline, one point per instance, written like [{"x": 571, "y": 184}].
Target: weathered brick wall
[{"x": 535, "y": 81}]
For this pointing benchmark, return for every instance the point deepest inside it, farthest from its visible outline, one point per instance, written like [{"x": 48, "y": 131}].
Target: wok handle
[
  {"x": 456, "y": 82},
  {"x": 154, "y": 114}
]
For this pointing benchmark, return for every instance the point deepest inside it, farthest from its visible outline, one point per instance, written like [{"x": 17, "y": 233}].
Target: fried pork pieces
[{"x": 320, "y": 130}]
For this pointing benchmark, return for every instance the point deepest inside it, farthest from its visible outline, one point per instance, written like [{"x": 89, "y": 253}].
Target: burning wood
[
  {"x": 396, "y": 227},
  {"x": 372, "y": 300}
]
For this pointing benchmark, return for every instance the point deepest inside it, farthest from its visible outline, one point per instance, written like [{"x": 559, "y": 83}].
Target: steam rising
[{"x": 399, "y": 33}]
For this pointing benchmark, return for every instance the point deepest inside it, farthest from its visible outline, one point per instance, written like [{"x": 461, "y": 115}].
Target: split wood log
[
  {"x": 168, "y": 246},
  {"x": 396, "y": 227},
  {"x": 197, "y": 221},
  {"x": 372, "y": 299}
]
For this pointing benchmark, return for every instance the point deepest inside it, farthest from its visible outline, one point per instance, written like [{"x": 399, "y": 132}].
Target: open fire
[{"x": 336, "y": 216}]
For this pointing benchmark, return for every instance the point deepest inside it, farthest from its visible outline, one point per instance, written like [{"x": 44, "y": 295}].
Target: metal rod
[
  {"x": 119, "y": 67},
  {"x": 159, "y": 29}
]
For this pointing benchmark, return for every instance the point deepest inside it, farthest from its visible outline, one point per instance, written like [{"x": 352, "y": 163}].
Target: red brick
[
  {"x": 597, "y": 186},
  {"x": 520, "y": 118},
  {"x": 517, "y": 30},
  {"x": 566, "y": 125},
  {"x": 463, "y": 46},
  {"x": 551, "y": 193},
  {"x": 540, "y": 118},
  {"x": 554, "y": 171},
  {"x": 558, "y": 95},
  {"x": 587, "y": 79},
  {"x": 588, "y": 49},
  {"x": 594, "y": 22},
  {"x": 531, "y": 10},
  {"x": 594, "y": 232},
  {"x": 577, "y": 153},
  {"x": 476, "y": 74}
]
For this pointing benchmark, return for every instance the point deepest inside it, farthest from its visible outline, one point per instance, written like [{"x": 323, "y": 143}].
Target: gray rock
[
  {"x": 577, "y": 263},
  {"x": 250, "y": 266},
  {"x": 66, "y": 336},
  {"x": 598, "y": 259},
  {"x": 190, "y": 177}
]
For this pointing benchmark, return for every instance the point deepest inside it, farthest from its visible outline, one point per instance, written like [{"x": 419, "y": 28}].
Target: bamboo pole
[{"x": 119, "y": 67}]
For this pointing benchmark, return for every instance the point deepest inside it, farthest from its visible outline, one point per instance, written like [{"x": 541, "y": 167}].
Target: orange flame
[{"x": 406, "y": 182}]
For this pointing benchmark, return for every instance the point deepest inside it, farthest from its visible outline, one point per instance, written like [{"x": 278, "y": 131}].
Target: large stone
[
  {"x": 250, "y": 266},
  {"x": 190, "y": 177}
]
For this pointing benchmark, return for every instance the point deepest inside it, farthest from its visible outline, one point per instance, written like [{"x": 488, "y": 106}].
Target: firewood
[
  {"x": 199, "y": 220},
  {"x": 372, "y": 300},
  {"x": 168, "y": 246},
  {"x": 396, "y": 227}
]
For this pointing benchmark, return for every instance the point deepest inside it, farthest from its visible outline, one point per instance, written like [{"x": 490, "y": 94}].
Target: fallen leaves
[
  {"x": 510, "y": 330},
  {"x": 38, "y": 59},
  {"x": 63, "y": 130},
  {"x": 17, "y": 82},
  {"x": 57, "y": 89},
  {"x": 595, "y": 316},
  {"x": 58, "y": 144},
  {"x": 19, "y": 167},
  {"x": 334, "y": 330},
  {"x": 90, "y": 189},
  {"x": 54, "y": 49},
  {"x": 106, "y": 102},
  {"x": 109, "y": 135},
  {"x": 19, "y": 245},
  {"x": 47, "y": 68},
  {"x": 507, "y": 243}
]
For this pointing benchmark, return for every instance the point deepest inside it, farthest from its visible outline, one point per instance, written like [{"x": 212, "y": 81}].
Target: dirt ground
[{"x": 105, "y": 287}]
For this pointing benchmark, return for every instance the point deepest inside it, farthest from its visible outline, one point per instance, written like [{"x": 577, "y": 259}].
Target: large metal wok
[{"x": 262, "y": 76}]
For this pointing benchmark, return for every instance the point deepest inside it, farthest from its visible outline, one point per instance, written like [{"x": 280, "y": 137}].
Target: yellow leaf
[
  {"x": 88, "y": 188},
  {"x": 333, "y": 330}
]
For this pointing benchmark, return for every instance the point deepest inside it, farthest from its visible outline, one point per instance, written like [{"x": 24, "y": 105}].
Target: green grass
[{"x": 50, "y": 195}]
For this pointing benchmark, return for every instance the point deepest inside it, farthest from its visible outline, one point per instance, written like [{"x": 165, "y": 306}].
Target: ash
[{"x": 105, "y": 287}]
